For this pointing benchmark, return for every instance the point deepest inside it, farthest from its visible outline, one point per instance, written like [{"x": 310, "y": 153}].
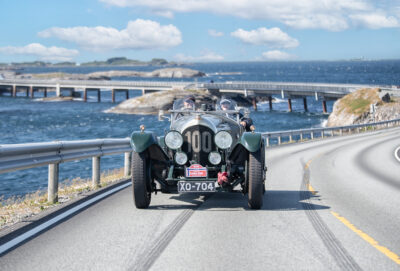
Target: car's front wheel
[
  {"x": 140, "y": 180},
  {"x": 255, "y": 180}
]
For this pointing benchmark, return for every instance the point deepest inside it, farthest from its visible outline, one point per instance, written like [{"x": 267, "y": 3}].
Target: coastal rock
[
  {"x": 153, "y": 102},
  {"x": 384, "y": 96},
  {"x": 355, "y": 108}
]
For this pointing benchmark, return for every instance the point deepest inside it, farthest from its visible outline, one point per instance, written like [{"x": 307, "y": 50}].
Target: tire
[
  {"x": 140, "y": 181},
  {"x": 256, "y": 179}
]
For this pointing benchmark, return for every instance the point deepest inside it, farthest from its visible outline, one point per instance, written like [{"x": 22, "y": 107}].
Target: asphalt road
[{"x": 330, "y": 205}]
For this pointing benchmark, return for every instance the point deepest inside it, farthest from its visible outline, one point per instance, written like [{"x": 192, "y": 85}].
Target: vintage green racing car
[{"x": 205, "y": 151}]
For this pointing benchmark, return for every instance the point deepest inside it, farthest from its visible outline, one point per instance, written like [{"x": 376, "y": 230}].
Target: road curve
[{"x": 330, "y": 205}]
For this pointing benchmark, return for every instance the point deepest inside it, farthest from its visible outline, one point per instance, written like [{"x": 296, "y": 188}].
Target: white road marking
[
  {"x": 396, "y": 154},
  {"x": 54, "y": 220}
]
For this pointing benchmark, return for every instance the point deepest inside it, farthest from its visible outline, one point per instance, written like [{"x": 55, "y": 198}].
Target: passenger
[{"x": 226, "y": 104}]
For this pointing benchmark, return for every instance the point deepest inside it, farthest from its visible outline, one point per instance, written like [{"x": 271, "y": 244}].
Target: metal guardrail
[
  {"x": 313, "y": 133},
  {"x": 23, "y": 156}
]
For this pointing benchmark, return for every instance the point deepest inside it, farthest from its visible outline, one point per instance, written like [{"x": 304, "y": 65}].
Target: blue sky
[{"x": 199, "y": 30}]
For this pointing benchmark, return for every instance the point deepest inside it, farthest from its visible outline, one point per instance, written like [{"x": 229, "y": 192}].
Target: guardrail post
[
  {"x": 268, "y": 141},
  {"x": 341, "y": 132},
  {"x": 322, "y": 134},
  {"x": 52, "y": 185},
  {"x": 290, "y": 138},
  {"x": 332, "y": 133},
  {"x": 312, "y": 135},
  {"x": 127, "y": 164},
  {"x": 279, "y": 140},
  {"x": 301, "y": 136},
  {"x": 96, "y": 171}
]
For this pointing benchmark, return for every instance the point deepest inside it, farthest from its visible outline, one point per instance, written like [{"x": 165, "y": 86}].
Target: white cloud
[
  {"x": 273, "y": 37},
  {"x": 334, "y": 15},
  {"x": 139, "y": 34},
  {"x": 215, "y": 33},
  {"x": 375, "y": 20},
  {"x": 206, "y": 57},
  {"x": 44, "y": 53},
  {"x": 276, "y": 55}
]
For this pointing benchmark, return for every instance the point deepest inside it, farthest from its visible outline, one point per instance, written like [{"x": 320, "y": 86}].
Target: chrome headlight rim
[
  {"x": 217, "y": 141},
  {"x": 181, "y": 163},
  {"x": 215, "y": 153},
  {"x": 168, "y": 142}
]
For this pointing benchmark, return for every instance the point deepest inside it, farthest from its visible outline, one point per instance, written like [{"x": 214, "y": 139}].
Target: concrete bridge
[{"x": 289, "y": 91}]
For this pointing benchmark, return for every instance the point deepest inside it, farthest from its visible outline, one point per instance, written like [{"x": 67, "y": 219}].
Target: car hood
[{"x": 215, "y": 122}]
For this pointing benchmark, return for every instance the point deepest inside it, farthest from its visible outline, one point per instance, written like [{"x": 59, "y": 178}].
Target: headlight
[
  {"x": 223, "y": 139},
  {"x": 173, "y": 140},
  {"x": 180, "y": 158},
  {"x": 214, "y": 158}
]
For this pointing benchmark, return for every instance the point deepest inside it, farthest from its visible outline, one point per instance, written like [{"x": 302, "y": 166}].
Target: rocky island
[
  {"x": 355, "y": 108},
  {"x": 106, "y": 75},
  {"x": 151, "y": 103}
]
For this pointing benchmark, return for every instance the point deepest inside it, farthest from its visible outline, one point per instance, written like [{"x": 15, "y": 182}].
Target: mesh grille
[{"x": 198, "y": 142}]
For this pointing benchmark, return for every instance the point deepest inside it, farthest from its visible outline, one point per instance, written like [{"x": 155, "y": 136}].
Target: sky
[{"x": 199, "y": 30}]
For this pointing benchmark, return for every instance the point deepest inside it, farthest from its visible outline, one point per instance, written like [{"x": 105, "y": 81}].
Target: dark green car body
[{"x": 198, "y": 130}]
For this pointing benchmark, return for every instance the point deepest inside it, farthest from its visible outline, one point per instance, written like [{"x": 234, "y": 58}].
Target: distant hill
[
  {"x": 114, "y": 61},
  {"x": 123, "y": 61}
]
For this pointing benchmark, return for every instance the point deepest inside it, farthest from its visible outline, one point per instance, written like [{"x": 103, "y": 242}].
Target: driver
[
  {"x": 188, "y": 103},
  {"x": 226, "y": 104}
]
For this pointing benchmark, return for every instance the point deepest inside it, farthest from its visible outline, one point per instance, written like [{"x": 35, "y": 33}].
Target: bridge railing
[
  {"x": 91, "y": 83},
  {"x": 291, "y": 136},
  {"x": 23, "y": 156}
]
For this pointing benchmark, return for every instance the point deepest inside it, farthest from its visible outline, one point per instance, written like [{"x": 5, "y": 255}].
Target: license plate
[{"x": 196, "y": 186}]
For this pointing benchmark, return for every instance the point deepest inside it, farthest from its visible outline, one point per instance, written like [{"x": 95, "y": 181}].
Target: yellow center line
[
  {"x": 308, "y": 164},
  {"x": 311, "y": 189},
  {"x": 388, "y": 253}
]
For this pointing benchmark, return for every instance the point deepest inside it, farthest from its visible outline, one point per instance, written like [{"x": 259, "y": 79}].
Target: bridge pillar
[
  {"x": 127, "y": 94},
  {"x": 324, "y": 106},
  {"x": 96, "y": 171},
  {"x": 290, "y": 104},
  {"x": 254, "y": 102},
  {"x": 58, "y": 90},
  {"x": 52, "y": 186},
  {"x": 113, "y": 95},
  {"x": 85, "y": 95},
  {"x": 305, "y": 104},
  {"x": 14, "y": 91},
  {"x": 45, "y": 92},
  {"x": 98, "y": 95},
  {"x": 31, "y": 92},
  {"x": 270, "y": 103},
  {"x": 27, "y": 91}
]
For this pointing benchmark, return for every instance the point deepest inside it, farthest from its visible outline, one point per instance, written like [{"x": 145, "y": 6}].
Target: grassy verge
[{"x": 15, "y": 209}]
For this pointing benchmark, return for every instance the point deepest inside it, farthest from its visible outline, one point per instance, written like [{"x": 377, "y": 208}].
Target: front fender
[
  {"x": 140, "y": 141},
  {"x": 251, "y": 141}
]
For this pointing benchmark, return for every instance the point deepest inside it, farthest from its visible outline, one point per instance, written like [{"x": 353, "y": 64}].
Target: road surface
[{"x": 331, "y": 204}]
